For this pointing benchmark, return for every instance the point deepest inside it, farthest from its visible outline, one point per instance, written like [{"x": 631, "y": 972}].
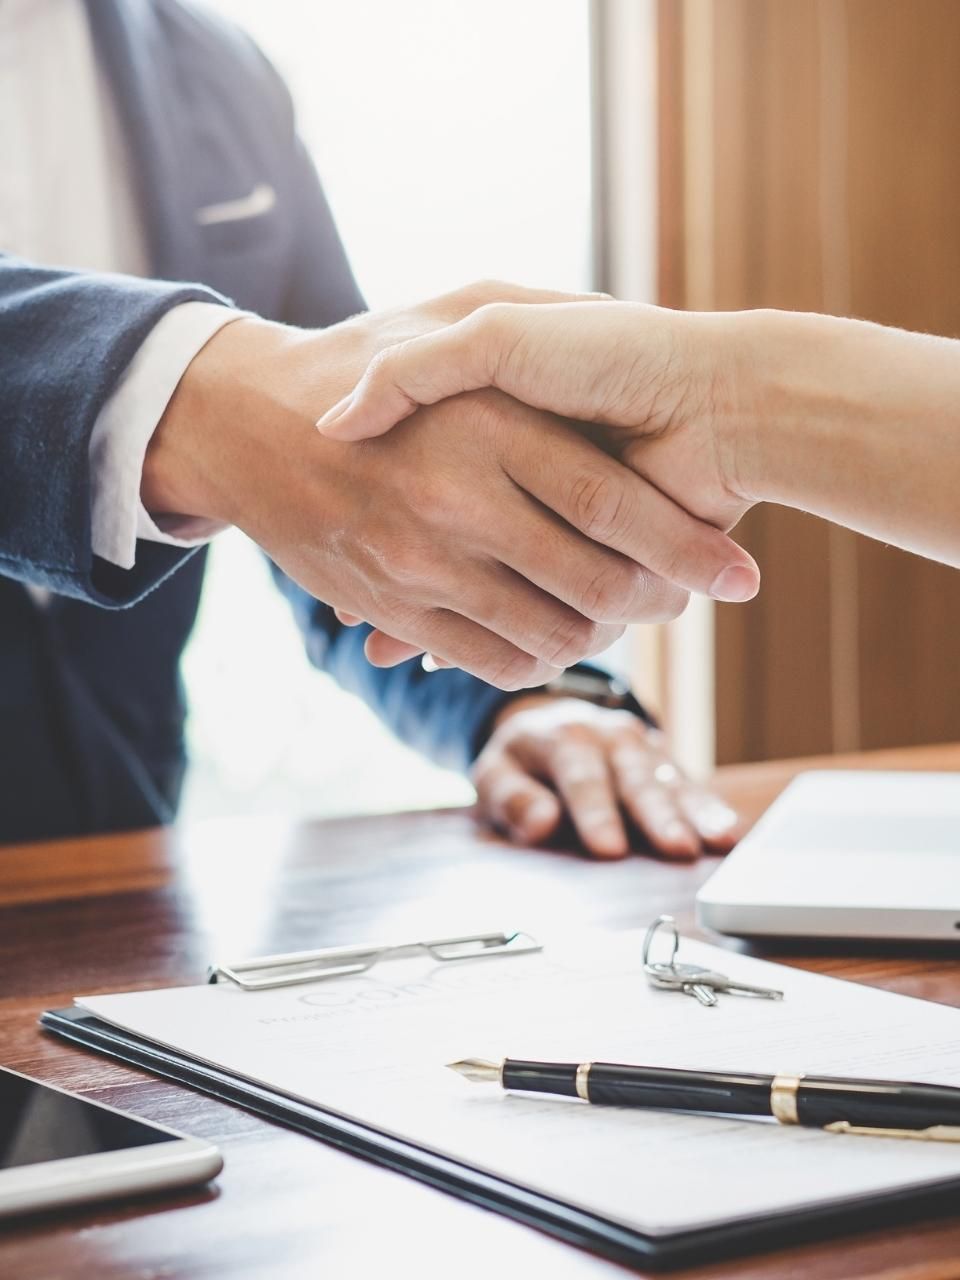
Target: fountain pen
[{"x": 883, "y": 1108}]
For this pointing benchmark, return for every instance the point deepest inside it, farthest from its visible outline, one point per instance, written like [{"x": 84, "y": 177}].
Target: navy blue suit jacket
[{"x": 91, "y": 706}]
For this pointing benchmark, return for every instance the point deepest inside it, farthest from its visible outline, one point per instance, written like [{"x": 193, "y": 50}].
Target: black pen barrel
[
  {"x": 663, "y": 1088},
  {"x": 674, "y": 1090},
  {"x": 879, "y": 1104},
  {"x": 539, "y": 1077},
  {"x": 814, "y": 1101}
]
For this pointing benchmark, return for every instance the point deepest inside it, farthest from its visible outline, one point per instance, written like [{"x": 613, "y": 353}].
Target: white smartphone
[{"x": 57, "y": 1149}]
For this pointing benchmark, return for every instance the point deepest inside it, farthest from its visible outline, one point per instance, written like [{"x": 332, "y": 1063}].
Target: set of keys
[{"x": 693, "y": 979}]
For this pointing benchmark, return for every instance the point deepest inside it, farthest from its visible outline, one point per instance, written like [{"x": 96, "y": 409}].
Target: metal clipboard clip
[{"x": 266, "y": 972}]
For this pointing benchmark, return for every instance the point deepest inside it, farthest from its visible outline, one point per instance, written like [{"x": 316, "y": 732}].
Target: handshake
[{"x": 505, "y": 478}]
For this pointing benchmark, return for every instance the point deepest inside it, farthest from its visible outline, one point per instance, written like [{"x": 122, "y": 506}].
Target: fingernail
[
  {"x": 334, "y": 413},
  {"x": 735, "y": 584},
  {"x": 715, "y": 819}
]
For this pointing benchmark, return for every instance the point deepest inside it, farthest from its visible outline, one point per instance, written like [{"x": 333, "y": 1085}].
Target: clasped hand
[{"x": 491, "y": 533}]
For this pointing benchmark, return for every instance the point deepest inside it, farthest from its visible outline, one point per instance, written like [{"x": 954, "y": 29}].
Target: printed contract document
[{"x": 373, "y": 1048}]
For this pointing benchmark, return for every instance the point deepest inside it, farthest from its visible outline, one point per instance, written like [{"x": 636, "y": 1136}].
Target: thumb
[{"x": 421, "y": 371}]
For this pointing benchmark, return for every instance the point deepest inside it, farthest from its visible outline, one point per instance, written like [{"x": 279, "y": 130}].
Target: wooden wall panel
[
  {"x": 833, "y": 185},
  {"x": 904, "y": 208}
]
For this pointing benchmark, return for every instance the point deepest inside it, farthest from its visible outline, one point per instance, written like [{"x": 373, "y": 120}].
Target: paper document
[{"x": 374, "y": 1048}]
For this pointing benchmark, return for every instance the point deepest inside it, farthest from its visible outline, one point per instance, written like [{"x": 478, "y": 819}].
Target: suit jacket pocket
[{"x": 243, "y": 224}]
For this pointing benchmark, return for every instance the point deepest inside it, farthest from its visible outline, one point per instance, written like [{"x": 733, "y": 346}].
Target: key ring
[{"x": 661, "y": 922}]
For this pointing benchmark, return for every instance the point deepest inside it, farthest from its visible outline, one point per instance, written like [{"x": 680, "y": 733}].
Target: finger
[
  {"x": 390, "y": 651},
  {"x": 530, "y": 618},
  {"x": 652, "y": 802},
  {"x": 347, "y": 619},
  {"x": 598, "y": 583},
  {"x": 511, "y": 800},
  {"x": 468, "y": 298},
  {"x": 386, "y": 651},
  {"x": 581, "y": 775},
  {"x": 402, "y": 378},
  {"x": 660, "y": 819},
  {"x": 614, "y": 506},
  {"x": 505, "y": 603},
  {"x": 462, "y": 356},
  {"x": 459, "y": 642},
  {"x": 717, "y": 825}
]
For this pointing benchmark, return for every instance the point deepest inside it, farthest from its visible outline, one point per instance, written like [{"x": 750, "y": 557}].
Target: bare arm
[{"x": 850, "y": 420}]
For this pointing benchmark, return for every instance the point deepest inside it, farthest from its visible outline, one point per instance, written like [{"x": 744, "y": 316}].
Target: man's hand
[
  {"x": 489, "y": 533},
  {"x": 549, "y": 756}
]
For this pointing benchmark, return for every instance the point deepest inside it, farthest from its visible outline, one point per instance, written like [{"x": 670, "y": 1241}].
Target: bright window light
[{"x": 453, "y": 140}]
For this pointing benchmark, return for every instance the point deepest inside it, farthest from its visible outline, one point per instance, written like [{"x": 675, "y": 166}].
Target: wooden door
[{"x": 809, "y": 158}]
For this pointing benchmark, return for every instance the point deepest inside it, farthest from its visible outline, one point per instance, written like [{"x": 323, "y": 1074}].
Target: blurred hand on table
[{"x": 606, "y": 770}]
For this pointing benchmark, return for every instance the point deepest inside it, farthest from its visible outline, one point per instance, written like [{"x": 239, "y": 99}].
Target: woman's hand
[
  {"x": 848, "y": 420},
  {"x": 607, "y": 770},
  {"x": 646, "y": 383},
  {"x": 654, "y": 383}
]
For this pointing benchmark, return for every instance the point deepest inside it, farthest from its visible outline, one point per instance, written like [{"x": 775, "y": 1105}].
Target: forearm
[{"x": 851, "y": 421}]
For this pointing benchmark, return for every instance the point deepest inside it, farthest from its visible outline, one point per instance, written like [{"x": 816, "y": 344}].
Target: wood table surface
[{"x": 151, "y": 909}]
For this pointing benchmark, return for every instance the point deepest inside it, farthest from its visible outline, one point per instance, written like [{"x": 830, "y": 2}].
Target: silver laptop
[{"x": 846, "y": 855}]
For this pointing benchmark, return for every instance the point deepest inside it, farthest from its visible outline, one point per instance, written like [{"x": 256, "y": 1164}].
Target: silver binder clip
[
  {"x": 339, "y": 962},
  {"x": 692, "y": 979}
]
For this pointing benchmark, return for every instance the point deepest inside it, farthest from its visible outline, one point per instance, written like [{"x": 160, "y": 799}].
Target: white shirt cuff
[{"x": 124, "y": 428}]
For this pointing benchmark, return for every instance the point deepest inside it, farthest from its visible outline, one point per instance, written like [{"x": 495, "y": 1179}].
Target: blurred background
[{"x": 709, "y": 154}]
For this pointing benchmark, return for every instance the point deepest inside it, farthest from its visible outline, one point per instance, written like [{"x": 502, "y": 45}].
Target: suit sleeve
[
  {"x": 444, "y": 714},
  {"x": 65, "y": 340}
]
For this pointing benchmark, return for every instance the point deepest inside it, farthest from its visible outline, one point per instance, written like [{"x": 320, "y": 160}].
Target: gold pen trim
[
  {"x": 935, "y": 1133},
  {"x": 582, "y": 1081},
  {"x": 783, "y": 1098}
]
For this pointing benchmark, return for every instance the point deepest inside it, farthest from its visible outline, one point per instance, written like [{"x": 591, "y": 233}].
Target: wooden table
[{"x": 151, "y": 909}]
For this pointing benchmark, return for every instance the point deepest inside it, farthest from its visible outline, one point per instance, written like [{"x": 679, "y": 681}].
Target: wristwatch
[{"x": 598, "y": 687}]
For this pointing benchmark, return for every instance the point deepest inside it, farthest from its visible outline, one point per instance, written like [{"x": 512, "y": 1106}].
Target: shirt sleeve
[{"x": 125, "y": 425}]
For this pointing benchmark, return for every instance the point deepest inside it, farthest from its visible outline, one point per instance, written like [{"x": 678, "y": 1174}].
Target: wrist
[
  {"x": 810, "y": 394},
  {"x": 778, "y": 398},
  {"x": 249, "y": 384}
]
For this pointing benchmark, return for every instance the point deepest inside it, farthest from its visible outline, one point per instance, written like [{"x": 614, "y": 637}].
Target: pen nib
[{"x": 477, "y": 1070}]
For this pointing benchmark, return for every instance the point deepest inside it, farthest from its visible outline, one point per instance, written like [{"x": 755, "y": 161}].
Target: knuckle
[
  {"x": 610, "y": 595},
  {"x": 601, "y": 508},
  {"x": 517, "y": 671},
  {"x": 571, "y": 740},
  {"x": 380, "y": 368},
  {"x": 572, "y": 639},
  {"x": 407, "y": 566},
  {"x": 489, "y": 410},
  {"x": 478, "y": 293},
  {"x": 628, "y": 726},
  {"x": 492, "y": 315},
  {"x": 492, "y": 290},
  {"x": 435, "y": 497}
]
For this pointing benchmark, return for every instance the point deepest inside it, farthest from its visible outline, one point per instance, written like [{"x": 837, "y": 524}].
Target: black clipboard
[{"x": 563, "y": 1221}]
